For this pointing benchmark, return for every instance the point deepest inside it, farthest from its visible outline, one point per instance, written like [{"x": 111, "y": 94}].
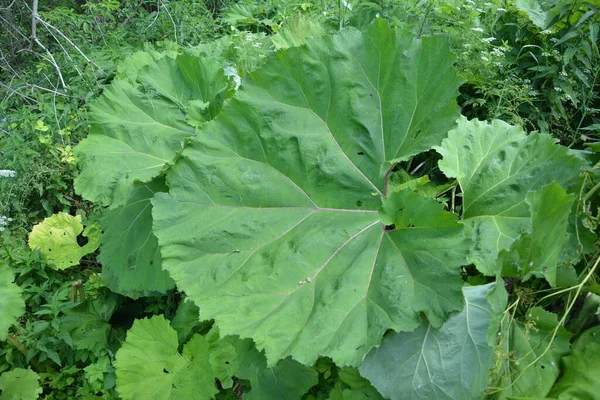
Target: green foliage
[
  {"x": 148, "y": 365},
  {"x": 497, "y": 166},
  {"x": 12, "y": 305},
  {"x": 129, "y": 250},
  {"x": 530, "y": 352},
  {"x": 290, "y": 191},
  {"x": 285, "y": 176},
  {"x": 19, "y": 384},
  {"x": 451, "y": 362}
]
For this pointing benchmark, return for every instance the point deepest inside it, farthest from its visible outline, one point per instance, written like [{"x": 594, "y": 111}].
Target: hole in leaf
[
  {"x": 360, "y": 153},
  {"x": 165, "y": 371},
  {"x": 358, "y": 203},
  {"x": 82, "y": 240},
  {"x": 417, "y": 134},
  {"x": 227, "y": 362},
  {"x": 389, "y": 227},
  {"x": 543, "y": 366}
]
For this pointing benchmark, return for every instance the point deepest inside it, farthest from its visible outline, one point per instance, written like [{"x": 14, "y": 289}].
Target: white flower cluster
[
  {"x": 231, "y": 72},
  {"x": 7, "y": 173},
  {"x": 4, "y": 220}
]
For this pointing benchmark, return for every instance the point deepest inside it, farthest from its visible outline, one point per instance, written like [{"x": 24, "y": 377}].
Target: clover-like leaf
[
  {"x": 12, "y": 305},
  {"x": 451, "y": 362},
  {"x": 57, "y": 239},
  {"x": 497, "y": 165},
  {"x": 272, "y": 223}
]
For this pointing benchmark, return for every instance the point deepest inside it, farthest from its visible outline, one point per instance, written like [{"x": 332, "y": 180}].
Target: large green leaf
[
  {"x": 538, "y": 252},
  {"x": 497, "y": 165},
  {"x": 131, "y": 262},
  {"x": 451, "y": 362},
  {"x": 19, "y": 384},
  {"x": 581, "y": 370},
  {"x": 288, "y": 380},
  {"x": 149, "y": 366},
  {"x": 88, "y": 323},
  {"x": 12, "y": 305},
  {"x": 272, "y": 225},
  {"x": 137, "y": 131},
  {"x": 529, "y": 362},
  {"x": 57, "y": 239}
]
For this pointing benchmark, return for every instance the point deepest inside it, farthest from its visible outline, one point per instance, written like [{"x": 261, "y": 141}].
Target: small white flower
[
  {"x": 231, "y": 72},
  {"x": 477, "y": 29},
  {"x": 501, "y": 9},
  {"x": 484, "y": 58},
  {"x": 7, "y": 173},
  {"x": 545, "y": 32},
  {"x": 488, "y": 40}
]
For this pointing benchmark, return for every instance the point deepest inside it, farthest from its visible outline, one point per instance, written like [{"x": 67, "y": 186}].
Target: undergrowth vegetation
[{"x": 299, "y": 200}]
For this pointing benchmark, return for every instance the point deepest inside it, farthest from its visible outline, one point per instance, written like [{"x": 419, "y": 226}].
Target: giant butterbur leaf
[
  {"x": 12, "y": 305},
  {"x": 272, "y": 224},
  {"x": 137, "y": 131},
  {"x": 451, "y": 362},
  {"x": 131, "y": 262},
  {"x": 497, "y": 165}
]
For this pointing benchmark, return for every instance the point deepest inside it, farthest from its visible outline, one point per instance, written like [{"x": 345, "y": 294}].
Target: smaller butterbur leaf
[
  {"x": 129, "y": 254},
  {"x": 538, "y": 252},
  {"x": 580, "y": 373},
  {"x": 149, "y": 366},
  {"x": 296, "y": 31},
  {"x": 57, "y": 239},
  {"x": 137, "y": 128},
  {"x": 529, "y": 364},
  {"x": 451, "y": 362},
  {"x": 88, "y": 323},
  {"x": 12, "y": 305},
  {"x": 288, "y": 380},
  {"x": 19, "y": 384},
  {"x": 187, "y": 320},
  {"x": 497, "y": 165}
]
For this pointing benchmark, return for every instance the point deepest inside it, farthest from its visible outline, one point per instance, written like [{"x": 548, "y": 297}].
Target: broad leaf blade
[
  {"x": 271, "y": 225},
  {"x": 57, "y": 239},
  {"x": 136, "y": 131},
  {"x": 530, "y": 363},
  {"x": 451, "y": 362},
  {"x": 539, "y": 251},
  {"x": 581, "y": 370},
  {"x": 497, "y": 165},
  {"x": 131, "y": 261},
  {"x": 12, "y": 305},
  {"x": 148, "y": 365},
  {"x": 20, "y": 384}
]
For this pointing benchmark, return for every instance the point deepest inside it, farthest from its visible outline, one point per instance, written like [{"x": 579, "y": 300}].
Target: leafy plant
[{"x": 286, "y": 216}]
